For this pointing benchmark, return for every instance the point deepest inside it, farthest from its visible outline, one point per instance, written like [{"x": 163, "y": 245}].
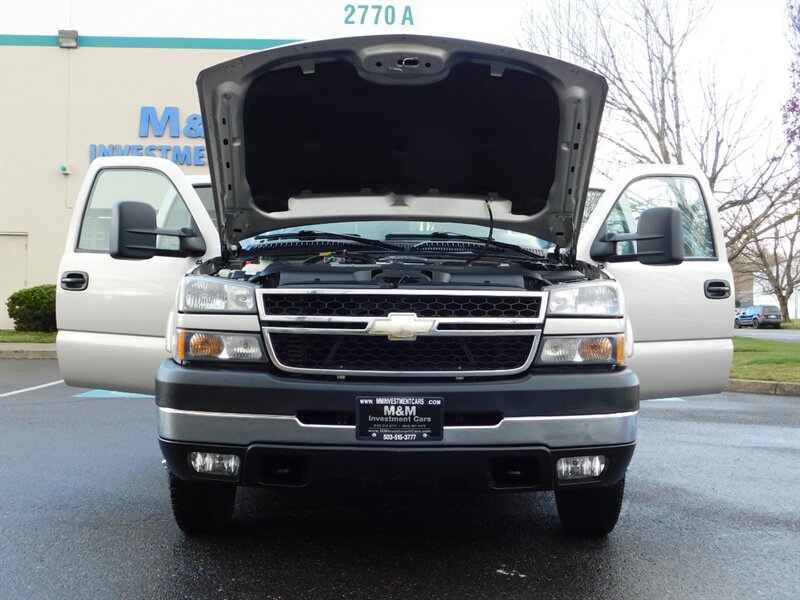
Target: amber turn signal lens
[
  {"x": 205, "y": 345},
  {"x": 596, "y": 349}
]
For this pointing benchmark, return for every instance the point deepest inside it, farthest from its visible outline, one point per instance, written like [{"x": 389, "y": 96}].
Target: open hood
[{"x": 400, "y": 127}]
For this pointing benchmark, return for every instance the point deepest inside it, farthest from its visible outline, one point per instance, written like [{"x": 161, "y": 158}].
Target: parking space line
[{"x": 30, "y": 389}]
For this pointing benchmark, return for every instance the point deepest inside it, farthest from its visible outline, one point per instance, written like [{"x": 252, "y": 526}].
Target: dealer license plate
[{"x": 399, "y": 418}]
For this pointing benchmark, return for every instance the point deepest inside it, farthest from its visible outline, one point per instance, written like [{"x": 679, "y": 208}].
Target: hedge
[{"x": 33, "y": 309}]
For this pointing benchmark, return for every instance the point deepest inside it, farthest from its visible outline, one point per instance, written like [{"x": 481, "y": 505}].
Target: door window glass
[
  {"x": 113, "y": 185},
  {"x": 592, "y": 198},
  {"x": 679, "y": 192}
]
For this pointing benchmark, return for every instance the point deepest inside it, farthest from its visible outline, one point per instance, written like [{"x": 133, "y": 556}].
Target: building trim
[{"x": 99, "y": 41}]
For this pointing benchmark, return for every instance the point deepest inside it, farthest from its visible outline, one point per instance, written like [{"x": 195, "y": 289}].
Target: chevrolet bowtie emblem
[{"x": 401, "y": 326}]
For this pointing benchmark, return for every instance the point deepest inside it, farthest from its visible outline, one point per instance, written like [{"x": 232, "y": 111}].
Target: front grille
[
  {"x": 360, "y": 331},
  {"x": 425, "y": 355},
  {"x": 381, "y": 305}
]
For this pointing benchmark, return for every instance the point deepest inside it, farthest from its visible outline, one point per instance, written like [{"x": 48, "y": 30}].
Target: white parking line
[{"x": 30, "y": 389}]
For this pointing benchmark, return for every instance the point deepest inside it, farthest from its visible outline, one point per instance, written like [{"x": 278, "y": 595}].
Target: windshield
[{"x": 378, "y": 230}]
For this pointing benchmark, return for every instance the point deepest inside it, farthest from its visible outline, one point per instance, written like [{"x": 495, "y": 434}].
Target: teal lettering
[{"x": 408, "y": 18}]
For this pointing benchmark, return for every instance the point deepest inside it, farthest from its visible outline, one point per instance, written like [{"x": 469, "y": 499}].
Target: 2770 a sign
[{"x": 377, "y": 14}]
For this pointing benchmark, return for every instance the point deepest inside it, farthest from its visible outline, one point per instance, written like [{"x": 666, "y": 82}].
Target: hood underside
[{"x": 399, "y": 127}]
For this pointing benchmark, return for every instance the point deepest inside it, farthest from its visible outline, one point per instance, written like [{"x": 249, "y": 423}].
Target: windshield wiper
[
  {"x": 316, "y": 235},
  {"x": 449, "y": 236}
]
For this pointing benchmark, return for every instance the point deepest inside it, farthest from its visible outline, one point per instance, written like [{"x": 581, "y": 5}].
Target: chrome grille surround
[{"x": 444, "y": 327}]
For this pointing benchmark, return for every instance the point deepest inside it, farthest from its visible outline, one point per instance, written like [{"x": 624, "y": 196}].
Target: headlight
[
  {"x": 596, "y": 349},
  {"x": 212, "y": 345},
  {"x": 212, "y": 294},
  {"x": 585, "y": 300}
]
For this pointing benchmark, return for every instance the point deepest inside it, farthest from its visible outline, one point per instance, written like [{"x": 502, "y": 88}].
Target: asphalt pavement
[
  {"x": 762, "y": 333},
  {"x": 712, "y": 510}
]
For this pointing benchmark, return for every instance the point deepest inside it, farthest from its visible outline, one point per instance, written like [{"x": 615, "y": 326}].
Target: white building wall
[{"x": 55, "y": 102}]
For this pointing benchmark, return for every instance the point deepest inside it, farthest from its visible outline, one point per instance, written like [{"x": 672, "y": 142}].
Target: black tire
[
  {"x": 736, "y": 324},
  {"x": 755, "y": 323},
  {"x": 201, "y": 507},
  {"x": 590, "y": 511}
]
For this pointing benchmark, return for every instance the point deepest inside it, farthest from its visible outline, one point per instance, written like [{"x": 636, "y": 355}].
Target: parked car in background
[{"x": 759, "y": 315}]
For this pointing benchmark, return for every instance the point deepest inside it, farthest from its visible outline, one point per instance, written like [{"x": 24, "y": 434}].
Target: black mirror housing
[
  {"x": 134, "y": 234},
  {"x": 661, "y": 236},
  {"x": 659, "y": 239},
  {"x": 133, "y": 226}
]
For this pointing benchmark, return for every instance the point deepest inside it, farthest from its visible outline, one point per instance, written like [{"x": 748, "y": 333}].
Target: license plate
[{"x": 399, "y": 418}]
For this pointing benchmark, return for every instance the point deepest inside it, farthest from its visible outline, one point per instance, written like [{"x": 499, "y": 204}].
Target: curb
[
  {"x": 28, "y": 351},
  {"x": 778, "y": 388}
]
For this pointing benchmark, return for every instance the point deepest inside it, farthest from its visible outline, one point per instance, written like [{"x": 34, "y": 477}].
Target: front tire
[
  {"x": 736, "y": 324},
  {"x": 755, "y": 324},
  {"x": 590, "y": 511},
  {"x": 200, "y": 507}
]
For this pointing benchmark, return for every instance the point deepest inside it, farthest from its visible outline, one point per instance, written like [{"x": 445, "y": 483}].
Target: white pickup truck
[{"x": 396, "y": 289}]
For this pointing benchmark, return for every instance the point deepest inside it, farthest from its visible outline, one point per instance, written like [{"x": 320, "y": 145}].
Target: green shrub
[{"x": 33, "y": 309}]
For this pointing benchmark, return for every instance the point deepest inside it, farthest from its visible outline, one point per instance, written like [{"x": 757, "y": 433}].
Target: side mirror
[
  {"x": 134, "y": 234},
  {"x": 659, "y": 240}
]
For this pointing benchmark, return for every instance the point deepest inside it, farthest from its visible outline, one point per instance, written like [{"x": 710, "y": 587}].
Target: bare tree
[
  {"x": 775, "y": 258},
  {"x": 791, "y": 110},
  {"x": 662, "y": 109},
  {"x": 658, "y": 109},
  {"x": 756, "y": 203}
]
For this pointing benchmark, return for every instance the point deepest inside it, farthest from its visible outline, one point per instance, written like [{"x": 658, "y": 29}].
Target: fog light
[
  {"x": 213, "y": 463},
  {"x": 580, "y": 467}
]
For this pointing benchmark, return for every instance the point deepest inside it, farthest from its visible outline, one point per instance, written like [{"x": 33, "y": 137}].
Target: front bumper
[
  {"x": 299, "y": 432},
  {"x": 401, "y": 470}
]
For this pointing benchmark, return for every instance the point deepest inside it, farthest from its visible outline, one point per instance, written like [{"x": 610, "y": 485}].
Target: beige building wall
[{"x": 55, "y": 103}]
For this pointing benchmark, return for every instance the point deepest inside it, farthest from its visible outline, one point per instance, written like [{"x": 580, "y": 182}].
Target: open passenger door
[{"x": 680, "y": 315}]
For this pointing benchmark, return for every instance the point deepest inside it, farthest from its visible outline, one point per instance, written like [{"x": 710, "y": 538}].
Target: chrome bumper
[{"x": 246, "y": 429}]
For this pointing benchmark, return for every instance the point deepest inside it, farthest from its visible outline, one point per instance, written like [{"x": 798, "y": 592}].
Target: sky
[{"x": 746, "y": 39}]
